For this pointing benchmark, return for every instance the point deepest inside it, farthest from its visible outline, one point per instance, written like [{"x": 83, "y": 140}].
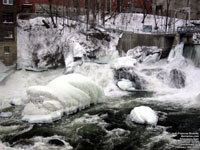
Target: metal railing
[{"x": 188, "y": 29}]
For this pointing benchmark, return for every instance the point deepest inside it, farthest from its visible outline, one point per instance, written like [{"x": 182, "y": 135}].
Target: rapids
[{"x": 171, "y": 88}]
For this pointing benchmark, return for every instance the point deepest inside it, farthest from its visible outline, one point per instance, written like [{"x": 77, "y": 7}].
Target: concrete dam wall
[{"x": 131, "y": 40}]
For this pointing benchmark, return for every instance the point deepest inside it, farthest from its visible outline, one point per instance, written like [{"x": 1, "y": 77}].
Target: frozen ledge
[{"x": 64, "y": 95}]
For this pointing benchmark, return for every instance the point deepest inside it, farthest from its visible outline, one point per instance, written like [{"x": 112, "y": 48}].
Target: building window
[
  {"x": 6, "y": 50},
  {"x": 8, "y": 34},
  {"x": 8, "y": 2},
  {"x": 7, "y": 18}
]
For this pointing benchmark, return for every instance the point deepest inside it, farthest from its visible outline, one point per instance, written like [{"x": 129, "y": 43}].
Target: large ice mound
[
  {"x": 65, "y": 94},
  {"x": 144, "y": 115}
]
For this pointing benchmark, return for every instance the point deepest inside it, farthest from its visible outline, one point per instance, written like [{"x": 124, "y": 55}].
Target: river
[{"x": 171, "y": 89}]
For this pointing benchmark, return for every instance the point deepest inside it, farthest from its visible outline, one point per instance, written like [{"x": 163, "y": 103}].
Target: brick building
[
  {"x": 160, "y": 6},
  {"x": 36, "y": 6},
  {"x": 8, "y": 41}
]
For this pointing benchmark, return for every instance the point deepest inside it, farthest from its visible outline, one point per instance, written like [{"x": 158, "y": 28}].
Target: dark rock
[
  {"x": 54, "y": 60},
  {"x": 35, "y": 69},
  {"x": 177, "y": 78},
  {"x": 89, "y": 137},
  {"x": 129, "y": 74},
  {"x": 162, "y": 75},
  {"x": 56, "y": 142},
  {"x": 35, "y": 130},
  {"x": 101, "y": 36},
  {"x": 123, "y": 73}
]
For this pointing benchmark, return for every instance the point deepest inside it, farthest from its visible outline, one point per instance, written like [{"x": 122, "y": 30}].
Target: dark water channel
[{"x": 108, "y": 127}]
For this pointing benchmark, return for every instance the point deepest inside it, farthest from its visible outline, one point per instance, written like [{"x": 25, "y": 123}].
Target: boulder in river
[
  {"x": 129, "y": 74},
  {"x": 177, "y": 78}
]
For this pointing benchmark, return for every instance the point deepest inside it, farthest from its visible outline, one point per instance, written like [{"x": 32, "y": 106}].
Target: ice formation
[
  {"x": 65, "y": 94},
  {"x": 146, "y": 54},
  {"x": 176, "y": 54},
  {"x": 144, "y": 115},
  {"x": 125, "y": 85}
]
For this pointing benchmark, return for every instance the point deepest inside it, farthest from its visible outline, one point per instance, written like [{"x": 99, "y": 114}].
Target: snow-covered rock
[
  {"x": 144, "y": 115},
  {"x": 146, "y": 54},
  {"x": 125, "y": 85},
  {"x": 129, "y": 74},
  {"x": 65, "y": 94}
]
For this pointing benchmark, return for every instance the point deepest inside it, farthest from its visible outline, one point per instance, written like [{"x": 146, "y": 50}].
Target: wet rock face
[
  {"x": 177, "y": 78},
  {"x": 129, "y": 74},
  {"x": 56, "y": 142}
]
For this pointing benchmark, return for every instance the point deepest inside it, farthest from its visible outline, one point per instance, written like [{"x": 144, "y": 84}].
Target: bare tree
[
  {"x": 51, "y": 13},
  {"x": 103, "y": 6},
  {"x": 168, "y": 2},
  {"x": 144, "y": 4},
  {"x": 94, "y": 12},
  {"x": 187, "y": 15},
  {"x": 87, "y": 7},
  {"x": 155, "y": 16}
]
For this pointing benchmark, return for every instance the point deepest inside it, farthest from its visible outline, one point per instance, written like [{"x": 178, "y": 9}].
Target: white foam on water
[
  {"x": 39, "y": 143},
  {"x": 186, "y": 96},
  {"x": 101, "y": 74}
]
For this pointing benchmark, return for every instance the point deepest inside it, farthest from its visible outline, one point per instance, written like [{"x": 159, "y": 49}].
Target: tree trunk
[
  {"x": 51, "y": 14},
  {"x": 144, "y": 11},
  {"x": 167, "y": 15}
]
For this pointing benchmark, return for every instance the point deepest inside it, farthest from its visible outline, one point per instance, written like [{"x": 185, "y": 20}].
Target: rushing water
[{"x": 171, "y": 89}]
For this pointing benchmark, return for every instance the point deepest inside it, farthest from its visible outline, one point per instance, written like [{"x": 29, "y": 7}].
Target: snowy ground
[
  {"x": 133, "y": 22},
  {"x": 5, "y": 71}
]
